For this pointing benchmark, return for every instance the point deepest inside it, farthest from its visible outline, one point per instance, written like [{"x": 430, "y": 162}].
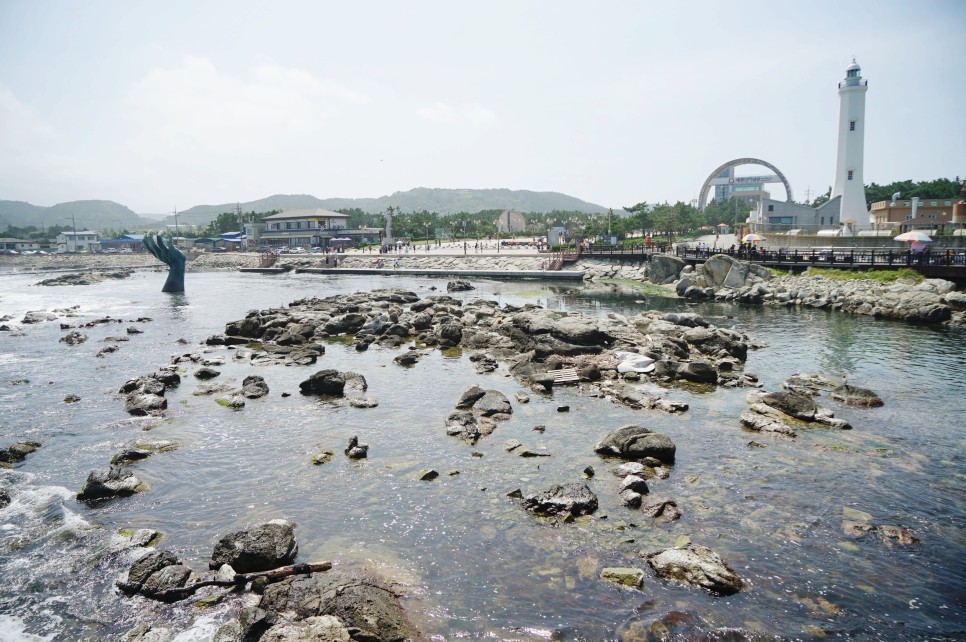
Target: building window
[
  {"x": 850, "y": 174},
  {"x": 932, "y": 203},
  {"x": 288, "y": 226},
  {"x": 908, "y": 217},
  {"x": 947, "y": 202},
  {"x": 851, "y": 125},
  {"x": 823, "y": 221},
  {"x": 771, "y": 208}
]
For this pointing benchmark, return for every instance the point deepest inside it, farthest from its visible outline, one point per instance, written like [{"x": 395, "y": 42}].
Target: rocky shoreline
[
  {"x": 629, "y": 360},
  {"x": 722, "y": 277}
]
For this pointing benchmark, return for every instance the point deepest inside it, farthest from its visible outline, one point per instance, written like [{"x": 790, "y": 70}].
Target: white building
[
  {"x": 77, "y": 241},
  {"x": 311, "y": 228},
  {"x": 19, "y": 245},
  {"x": 851, "y": 144}
]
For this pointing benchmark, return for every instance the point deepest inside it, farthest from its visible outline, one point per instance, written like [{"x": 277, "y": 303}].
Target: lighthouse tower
[{"x": 848, "y": 163}]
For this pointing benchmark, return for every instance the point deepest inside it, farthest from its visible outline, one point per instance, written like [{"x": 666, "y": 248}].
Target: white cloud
[
  {"x": 460, "y": 114},
  {"x": 196, "y": 108}
]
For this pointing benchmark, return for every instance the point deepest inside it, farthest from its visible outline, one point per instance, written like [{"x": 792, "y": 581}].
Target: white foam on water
[{"x": 13, "y": 629}]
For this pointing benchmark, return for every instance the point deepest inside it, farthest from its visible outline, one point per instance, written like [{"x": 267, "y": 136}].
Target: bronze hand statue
[{"x": 171, "y": 256}]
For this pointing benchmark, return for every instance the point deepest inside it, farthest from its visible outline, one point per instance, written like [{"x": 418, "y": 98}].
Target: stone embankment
[{"x": 725, "y": 278}]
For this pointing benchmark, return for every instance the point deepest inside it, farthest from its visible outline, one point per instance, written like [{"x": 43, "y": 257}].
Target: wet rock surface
[
  {"x": 17, "y": 452},
  {"x": 86, "y": 278},
  {"x": 530, "y": 340},
  {"x": 636, "y": 443},
  {"x": 363, "y": 604},
  {"x": 116, "y": 481},
  {"x": 260, "y": 548},
  {"x": 567, "y": 499},
  {"x": 695, "y": 565}
]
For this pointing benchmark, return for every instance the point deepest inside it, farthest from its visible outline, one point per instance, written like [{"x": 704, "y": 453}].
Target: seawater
[{"x": 470, "y": 562}]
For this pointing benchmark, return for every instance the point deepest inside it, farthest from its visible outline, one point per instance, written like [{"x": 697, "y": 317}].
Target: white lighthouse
[{"x": 848, "y": 163}]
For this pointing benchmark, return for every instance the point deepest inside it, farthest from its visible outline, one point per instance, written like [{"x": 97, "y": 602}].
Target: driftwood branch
[{"x": 241, "y": 579}]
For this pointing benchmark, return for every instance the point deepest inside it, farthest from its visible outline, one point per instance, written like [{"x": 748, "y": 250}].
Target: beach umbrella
[
  {"x": 752, "y": 238},
  {"x": 913, "y": 237}
]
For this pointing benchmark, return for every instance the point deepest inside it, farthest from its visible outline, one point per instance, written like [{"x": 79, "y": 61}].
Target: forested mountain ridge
[
  {"x": 87, "y": 215},
  {"x": 443, "y": 201}
]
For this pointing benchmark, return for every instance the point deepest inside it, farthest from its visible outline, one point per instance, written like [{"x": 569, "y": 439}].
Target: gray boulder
[
  {"x": 205, "y": 373},
  {"x": 663, "y": 510},
  {"x": 347, "y": 323},
  {"x": 464, "y": 424},
  {"x": 115, "y": 481},
  {"x": 459, "y": 285},
  {"x": 254, "y": 387},
  {"x": 17, "y": 453},
  {"x": 257, "y": 549},
  {"x": 695, "y": 565},
  {"x": 469, "y": 397},
  {"x": 696, "y": 371},
  {"x": 408, "y": 358},
  {"x": 325, "y": 383},
  {"x": 664, "y": 268},
  {"x": 37, "y": 317},
  {"x": 792, "y": 404},
  {"x": 169, "y": 577},
  {"x": 493, "y": 404},
  {"x": 144, "y": 567},
  {"x": 568, "y": 499},
  {"x": 73, "y": 338},
  {"x": 141, "y": 405},
  {"x": 724, "y": 271},
  {"x": 356, "y": 450},
  {"x": 363, "y": 603},
  {"x": 635, "y": 443}
]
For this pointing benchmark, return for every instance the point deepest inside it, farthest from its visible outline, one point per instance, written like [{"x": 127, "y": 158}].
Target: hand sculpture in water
[{"x": 170, "y": 256}]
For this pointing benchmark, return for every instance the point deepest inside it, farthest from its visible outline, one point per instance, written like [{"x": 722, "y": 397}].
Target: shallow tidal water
[{"x": 470, "y": 563}]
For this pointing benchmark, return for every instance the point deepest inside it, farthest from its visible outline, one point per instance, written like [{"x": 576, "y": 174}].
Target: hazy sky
[{"x": 170, "y": 104}]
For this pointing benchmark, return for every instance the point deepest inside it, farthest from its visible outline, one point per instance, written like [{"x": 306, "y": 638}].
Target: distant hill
[
  {"x": 87, "y": 215},
  {"x": 444, "y": 201}
]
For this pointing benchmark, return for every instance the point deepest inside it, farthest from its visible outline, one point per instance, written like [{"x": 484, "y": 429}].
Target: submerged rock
[
  {"x": 632, "y": 577},
  {"x": 855, "y": 396}
]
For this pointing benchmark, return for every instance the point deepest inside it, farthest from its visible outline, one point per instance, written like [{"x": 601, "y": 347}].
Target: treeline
[{"x": 938, "y": 188}]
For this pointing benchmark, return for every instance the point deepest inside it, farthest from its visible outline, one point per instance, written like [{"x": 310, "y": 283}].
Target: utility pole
[
  {"x": 176, "y": 231},
  {"x": 241, "y": 225},
  {"x": 74, "y": 223}
]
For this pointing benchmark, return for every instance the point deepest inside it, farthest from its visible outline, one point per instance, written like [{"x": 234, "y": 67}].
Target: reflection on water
[{"x": 470, "y": 562}]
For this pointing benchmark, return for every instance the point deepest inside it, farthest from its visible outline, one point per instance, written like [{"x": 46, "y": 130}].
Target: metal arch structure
[{"x": 703, "y": 196}]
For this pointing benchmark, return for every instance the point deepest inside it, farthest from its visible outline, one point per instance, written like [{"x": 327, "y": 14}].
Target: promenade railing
[{"x": 866, "y": 257}]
